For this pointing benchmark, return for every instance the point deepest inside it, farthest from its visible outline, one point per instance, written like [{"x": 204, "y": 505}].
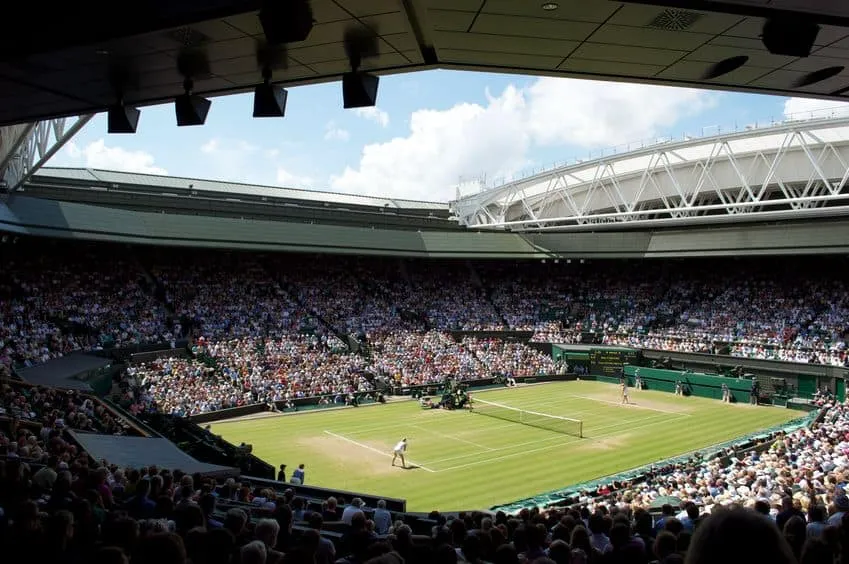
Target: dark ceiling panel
[
  {"x": 62, "y": 25},
  {"x": 102, "y": 47}
]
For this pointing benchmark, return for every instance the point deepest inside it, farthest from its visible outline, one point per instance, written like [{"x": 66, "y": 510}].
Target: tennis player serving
[{"x": 399, "y": 451}]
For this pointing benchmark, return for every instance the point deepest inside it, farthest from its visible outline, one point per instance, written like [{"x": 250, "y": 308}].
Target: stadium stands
[
  {"x": 277, "y": 328},
  {"x": 101, "y": 294},
  {"x": 249, "y": 312},
  {"x": 104, "y": 512}
]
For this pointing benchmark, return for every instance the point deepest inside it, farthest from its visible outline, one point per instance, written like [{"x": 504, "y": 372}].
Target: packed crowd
[
  {"x": 759, "y": 310},
  {"x": 58, "y": 297},
  {"x": 246, "y": 371},
  {"x": 354, "y": 296},
  {"x": 49, "y": 411},
  {"x": 227, "y": 296},
  {"x": 410, "y": 358},
  {"x": 257, "y": 328},
  {"x": 804, "y": 469},
  {"x": 785, "y": 504},
  {"x": 237, "y": 372},
  {"x": 796, "y": 485},
  {"x": 53, "y": 302},
  {"x": 833, "y": 354}
]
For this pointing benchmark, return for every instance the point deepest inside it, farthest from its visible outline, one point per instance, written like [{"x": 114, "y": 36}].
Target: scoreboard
[{"x": 610, "y": 361}]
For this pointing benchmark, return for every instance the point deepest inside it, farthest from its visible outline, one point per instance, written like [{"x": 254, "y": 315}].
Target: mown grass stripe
[{"x": 467, "y": 454}]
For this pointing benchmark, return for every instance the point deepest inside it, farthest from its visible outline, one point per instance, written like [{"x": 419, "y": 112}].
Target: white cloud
[
  {"x": 811, "y": 108},
  {"x": 290, "y": 180},
  {"x": 237, "y": 160},
  {"x": 496, "y": 138},
  {"x": 98, "y": 155},
  {"x": 234, "y": 147},
  {"x": 334, "y": 133},
  {"x": 373, "y": 113}
]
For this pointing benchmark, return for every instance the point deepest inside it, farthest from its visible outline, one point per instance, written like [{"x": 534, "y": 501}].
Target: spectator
[
  {"x": 298, "y": 476},
  {"x": 355, "y": 508},
  {"x": 382, "y": 518}
]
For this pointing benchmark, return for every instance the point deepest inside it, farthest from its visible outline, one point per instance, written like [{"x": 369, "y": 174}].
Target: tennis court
[{"x": 465, "y": 460}]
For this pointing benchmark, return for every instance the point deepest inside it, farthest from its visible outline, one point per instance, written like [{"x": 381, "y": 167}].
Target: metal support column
[{"x": 27, "y": 147}]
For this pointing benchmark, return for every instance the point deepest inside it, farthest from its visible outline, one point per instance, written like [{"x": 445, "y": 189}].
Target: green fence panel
[
  {"x": 807, "y": 386},
  {"x": 607, "y": 379},
  {"x": 698, "y": 384}
]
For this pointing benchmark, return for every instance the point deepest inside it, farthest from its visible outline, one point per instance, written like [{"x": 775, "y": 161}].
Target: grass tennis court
[{"x": 470, "y": 461}]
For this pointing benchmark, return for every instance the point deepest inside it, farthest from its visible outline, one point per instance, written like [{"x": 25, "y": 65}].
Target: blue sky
[{"x": 428, "y": 132}]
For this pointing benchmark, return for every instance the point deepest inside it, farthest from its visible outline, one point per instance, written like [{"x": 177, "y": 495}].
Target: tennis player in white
[{"x": 399, "y": 451}]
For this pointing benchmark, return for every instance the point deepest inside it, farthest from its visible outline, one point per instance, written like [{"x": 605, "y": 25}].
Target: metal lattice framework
[
  {"x": 25, "y": 148},
  {"x": 786, "y": 171}
]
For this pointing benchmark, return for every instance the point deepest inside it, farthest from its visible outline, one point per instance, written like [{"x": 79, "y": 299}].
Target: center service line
[
  {"x": 547, "y": 447},
  {"x": 452, "y": 437}
]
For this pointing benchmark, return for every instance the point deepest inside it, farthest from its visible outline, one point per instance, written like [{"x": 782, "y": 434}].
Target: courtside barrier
[{"x": 313, "y": 492}]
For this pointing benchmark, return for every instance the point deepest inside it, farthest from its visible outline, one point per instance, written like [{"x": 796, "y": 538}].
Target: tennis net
[{"x": 554, "y": 423}]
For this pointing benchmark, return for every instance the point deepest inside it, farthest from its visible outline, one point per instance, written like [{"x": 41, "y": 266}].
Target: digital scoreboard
[{"x": 609, "y": 361}]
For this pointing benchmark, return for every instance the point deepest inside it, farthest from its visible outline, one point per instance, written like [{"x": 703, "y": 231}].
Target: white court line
[
  {"x": 451, "y": 437},
  {"x": 641, "y": 420},
  {"x": 509, "y": 447},
  {"x": 424, "y": 421},
  {"x": 548, "y": 440},
  {"x": 634, "y": 406},
  {"x": 380, "y": 452},
  {"x": 540, "y": 449}
]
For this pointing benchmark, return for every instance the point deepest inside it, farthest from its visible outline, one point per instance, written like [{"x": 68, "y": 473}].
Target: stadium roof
[
  {"x": 174, "y": 195},
  {"x": 181, "y": 186},
  {"x": 789, "y": 170},
  {"x": 75, "y": 57}
]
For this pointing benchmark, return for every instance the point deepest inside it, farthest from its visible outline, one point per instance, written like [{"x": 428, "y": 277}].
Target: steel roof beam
[{"x": 33, "y": 145}]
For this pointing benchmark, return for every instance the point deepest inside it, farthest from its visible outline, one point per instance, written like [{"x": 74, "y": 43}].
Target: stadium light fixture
[
  {"x": 269, "y": 99},
  {"x": 359, "y": 89},
  {"x": 122, "y": 119},
  {"x": 792, "y": 37},
  {"x": 190, "y": 108},
  {"x": 284, "y": 22}
]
